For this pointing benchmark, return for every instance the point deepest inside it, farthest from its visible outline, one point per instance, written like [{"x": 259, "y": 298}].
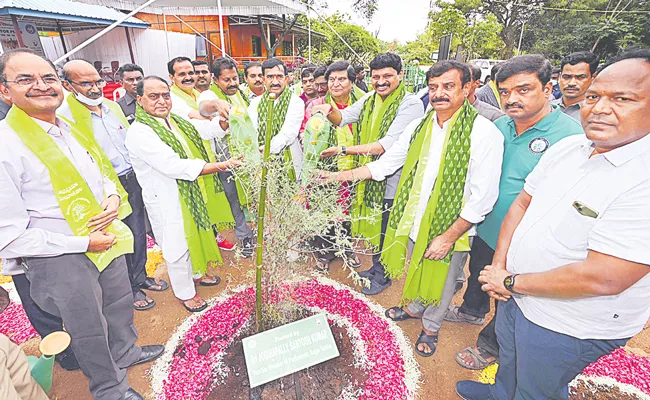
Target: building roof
[
  {"x": 274, "y": 21},
  {"x": 70, "y": 15},
  {"x": 209, "y": 7}
]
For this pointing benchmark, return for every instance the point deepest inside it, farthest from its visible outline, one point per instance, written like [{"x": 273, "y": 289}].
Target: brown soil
[
  {"x": 439, "y": 372},
  {"x": 321, "y": 382},
  {"x": 591, "y": 392}
]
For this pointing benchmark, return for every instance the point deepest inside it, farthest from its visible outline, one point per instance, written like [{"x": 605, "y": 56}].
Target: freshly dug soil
[
  {"x": 584, "y": 391},
  {"x": 324, "y": 381}
]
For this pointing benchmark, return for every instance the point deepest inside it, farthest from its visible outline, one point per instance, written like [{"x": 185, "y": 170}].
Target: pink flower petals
[
  {"x": 192, "y": 375},
  {"x": 15, "y": 324},
  {"x": 624, "y": 368}
]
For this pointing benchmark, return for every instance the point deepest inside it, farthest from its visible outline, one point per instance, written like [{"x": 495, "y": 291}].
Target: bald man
[{"x": 103, "y": 121}]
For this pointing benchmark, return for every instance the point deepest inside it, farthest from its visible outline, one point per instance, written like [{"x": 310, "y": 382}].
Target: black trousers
[
  {"x": 325, "y": 246},
  {"x": 136, "y": 262},
  {"x": 44, "y": 322},
  {"x": 379, "y": 268},
  {"x": 476, "y": 302}
]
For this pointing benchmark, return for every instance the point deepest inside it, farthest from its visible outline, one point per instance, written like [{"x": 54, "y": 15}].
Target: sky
[{"x": 400, "y": 20}]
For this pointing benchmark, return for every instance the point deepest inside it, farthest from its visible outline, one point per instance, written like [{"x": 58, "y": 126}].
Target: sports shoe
[
  {"x": 247, "y": 248},
  {"x": 224, "y": 244},
  {"x": 470, "y": 390}
]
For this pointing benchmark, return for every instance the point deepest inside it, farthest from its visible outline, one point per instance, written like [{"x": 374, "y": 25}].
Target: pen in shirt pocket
[{"x": 91, "y": 157}]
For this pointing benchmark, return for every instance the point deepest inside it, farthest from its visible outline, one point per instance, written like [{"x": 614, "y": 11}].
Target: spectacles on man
[
  {"x": 100, "y": 83},
  {"x": 156, "y": 96},
  {"x": 322, "y": 85},
  {"x": 48, "y": 80}
]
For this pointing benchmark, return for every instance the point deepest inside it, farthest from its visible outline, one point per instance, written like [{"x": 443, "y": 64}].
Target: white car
[{"x": 486, "y": 66}]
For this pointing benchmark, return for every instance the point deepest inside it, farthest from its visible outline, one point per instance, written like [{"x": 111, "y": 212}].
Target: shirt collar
[
  {"x": 128, "y": 98},
  {"x": 628, "y": 152},
  {"x": 60, "y": 126},
  {"x": 543, "y": 125}
]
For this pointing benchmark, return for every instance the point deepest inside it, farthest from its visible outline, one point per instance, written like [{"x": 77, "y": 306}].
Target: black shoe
[
  {"x": 368, "y": 274},
  {"x": 247, "y": 248},
  {"x": 149, "y": 353},
  {"x": 132, "y": 395},
  {"x": 67, "y": 360}
]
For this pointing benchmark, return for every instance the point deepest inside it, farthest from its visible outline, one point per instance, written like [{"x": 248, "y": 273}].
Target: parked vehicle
[{"x": 486, "y": 66}]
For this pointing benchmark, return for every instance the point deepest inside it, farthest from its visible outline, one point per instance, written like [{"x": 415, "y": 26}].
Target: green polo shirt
[{"x": 520, "y": 155}]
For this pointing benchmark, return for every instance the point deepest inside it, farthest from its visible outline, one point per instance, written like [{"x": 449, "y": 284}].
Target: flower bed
[{"x": 193, "y": 361}]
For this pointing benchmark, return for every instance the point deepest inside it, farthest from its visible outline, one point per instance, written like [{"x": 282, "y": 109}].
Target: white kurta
[
  {"x": 157, "y": 167},
  {"x": 288, "y": 135}
]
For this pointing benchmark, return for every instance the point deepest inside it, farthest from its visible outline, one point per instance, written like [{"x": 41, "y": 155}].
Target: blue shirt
[
  {"x": 110, "y": 133},
  {"x": 520, "y": 156}
]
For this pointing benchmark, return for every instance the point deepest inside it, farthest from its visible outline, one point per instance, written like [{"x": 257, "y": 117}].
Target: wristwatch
[
  {"x": 344, "y": 150},
  {"x": 509, "y": 283}
]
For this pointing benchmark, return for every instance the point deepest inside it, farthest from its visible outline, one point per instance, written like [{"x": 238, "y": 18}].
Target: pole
[
  {"x": 309, "y": 40},
  {"x": 128, "y": 41},
  {"x": 103, "y": 32},
  {"x": 206, "y": 39},
  {"x": 223, "y": 44},
  {"x": 19, "y": 35},
  {"x": 521, "y": 36},
  {"x": 65, "y": 48},
  {"x": 260, "y": 216},
  {"x": 169, "y": 56}
]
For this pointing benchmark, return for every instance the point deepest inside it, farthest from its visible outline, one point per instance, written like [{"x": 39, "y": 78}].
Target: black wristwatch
[
  {"x": 344, "y": 150},
  {"x": 509, "y": 283}
]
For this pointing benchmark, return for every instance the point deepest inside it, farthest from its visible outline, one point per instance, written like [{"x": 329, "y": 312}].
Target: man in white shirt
[
  {"x": 162, "y": 171},
  {"x": 449, "y": 83},
  {"x": 571, "y": 264},
  {"x": 225, "y": 86},
  {"x": 103, "y": 121},
  {"x": 77, "y": 277},
  {"x": 382, "y": 116}
]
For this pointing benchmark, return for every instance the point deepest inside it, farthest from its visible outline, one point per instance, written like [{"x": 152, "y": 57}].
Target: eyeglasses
[
  {"x": 133, "y": 80},
  {"x": 100, "y": 83},
  {"x": 321, "y": 85},
  {"x": 156, "y": 96},
  {"x": 31, "y": 80},
  {"x": 340, "y": 80}
]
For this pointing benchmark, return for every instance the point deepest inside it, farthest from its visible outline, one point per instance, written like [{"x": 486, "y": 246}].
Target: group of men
[{"x": 550, "y": 219}]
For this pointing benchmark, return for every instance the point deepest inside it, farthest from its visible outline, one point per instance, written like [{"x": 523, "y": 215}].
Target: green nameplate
[{"x": 288, "y": 348}]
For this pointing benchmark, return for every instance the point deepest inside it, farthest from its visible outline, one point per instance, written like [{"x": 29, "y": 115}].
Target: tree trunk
[
  {"x": 270, "y": 50},
  {"x": 509, "y": 37}
]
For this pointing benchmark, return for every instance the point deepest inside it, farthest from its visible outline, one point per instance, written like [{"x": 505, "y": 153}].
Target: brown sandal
[
  {"x": 195, "y": 309},
  {"x": 478, "y": 360}
]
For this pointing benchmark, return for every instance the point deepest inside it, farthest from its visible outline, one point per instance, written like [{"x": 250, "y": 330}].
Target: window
[
  {"x": 287, "y": 48},
  {"x": 201, "y": 48},
  {"x": 257, "y": 46}
]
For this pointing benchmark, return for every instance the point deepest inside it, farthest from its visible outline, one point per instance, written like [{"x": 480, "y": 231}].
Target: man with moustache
[
  {"x": 179, "y": 184},
  {"x": 382, "y": 116},
  {"x": 203, "y": 75},
  {"x": 320, "y": 82},
  {"x": 309, "y": 91},
  {"x": 451, "y": 162},
  {"x": 254, "y": 80},
  {"x": 130, "y": 76},
  {"x": 103, "y": 123},
  {"x": 71, "y": 248},
  {"x": 577, "y": 71},
  {"x": 185, "y": 104},
  {"x": 531, "y": 126},
  {"x": 225, "y": 87},
  {"x": 571, "y": 264}
]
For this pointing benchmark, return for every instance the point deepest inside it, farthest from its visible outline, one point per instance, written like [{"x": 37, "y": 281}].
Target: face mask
[
  {"x": 554, "y": 82},
  {"x": 89, "y": 102}
]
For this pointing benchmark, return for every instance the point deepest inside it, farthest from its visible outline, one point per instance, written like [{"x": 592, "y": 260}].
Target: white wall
[{"x": 149, "y": 48}]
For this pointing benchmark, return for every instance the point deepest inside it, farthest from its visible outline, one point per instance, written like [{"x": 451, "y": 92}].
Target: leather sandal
[
  {"x": 195, "y": 309},
  {"x": 429, "y": 340},
  {"x": 398, "y": 314}
]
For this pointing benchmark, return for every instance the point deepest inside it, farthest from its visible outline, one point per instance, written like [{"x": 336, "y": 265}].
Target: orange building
[{"x": 242, "y": 36}]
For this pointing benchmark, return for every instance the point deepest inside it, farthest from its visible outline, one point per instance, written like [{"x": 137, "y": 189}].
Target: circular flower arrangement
[
  {"x": 13, "y": 321},
  {"x": 193, "y": 360}
]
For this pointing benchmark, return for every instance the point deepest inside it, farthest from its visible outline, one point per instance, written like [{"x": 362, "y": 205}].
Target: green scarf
[
  {"x": 84, "y": 134},
  {"x": 76, "y": 200},
  {"x": 343, "y": 134},
  {"x": 367, "y": 205},
  {"x": 197, "y": 221},
  {"x": 279, "y": 115},
  {"x": 192, "y": 101},
  {"x": 426, "y": 278},
  {"x": 240, "y": 98}
]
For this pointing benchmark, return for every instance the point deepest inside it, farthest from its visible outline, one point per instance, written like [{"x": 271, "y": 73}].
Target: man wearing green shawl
[
  {"x": 451, "y": 163},
  {"x": 177, "y": 178},
  {"x": 60, "y": 227},
  {"x": 381, "y": 117},
  {"x": 225, "y": 86},
  {"x": 185, "y": 104}
]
